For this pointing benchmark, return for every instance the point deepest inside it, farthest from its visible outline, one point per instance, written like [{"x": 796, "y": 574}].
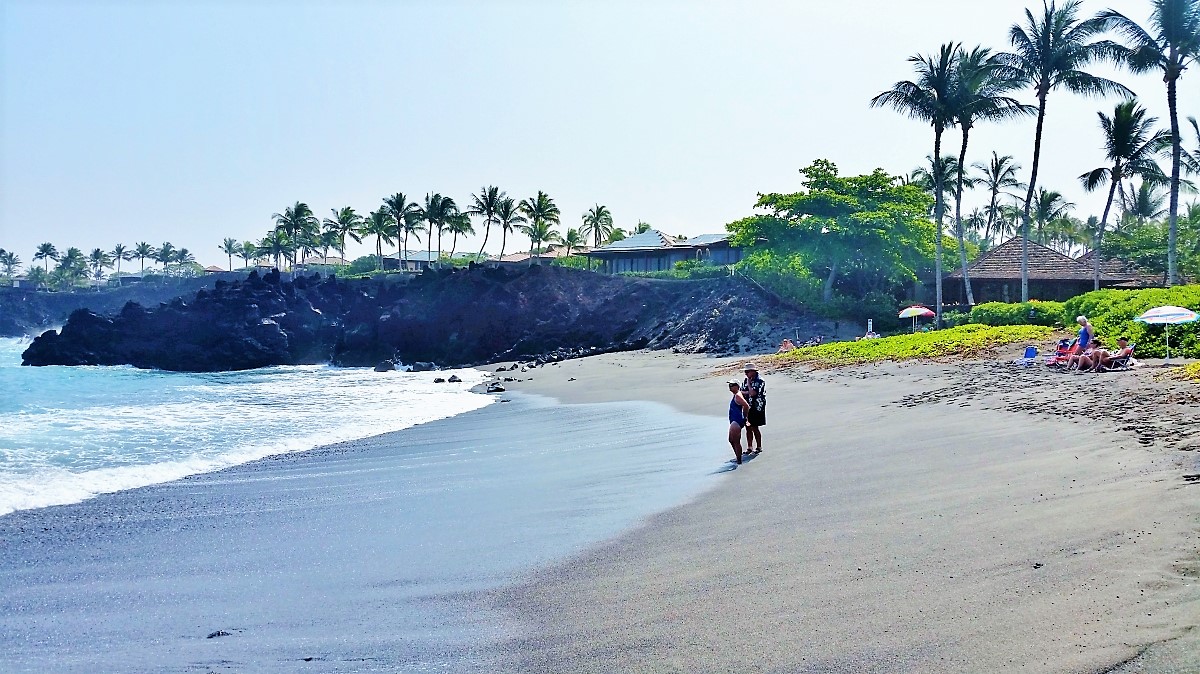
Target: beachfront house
[
  {"x": 551, "y": 253},
  {"x": 655, "y": 251},
  {"x": 996, "y": 276}
]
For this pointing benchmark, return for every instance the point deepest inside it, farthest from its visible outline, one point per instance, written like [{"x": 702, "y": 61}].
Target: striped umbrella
[
  {"x": 1167, "y": 316},
  {"x": 914, "y": 311}
]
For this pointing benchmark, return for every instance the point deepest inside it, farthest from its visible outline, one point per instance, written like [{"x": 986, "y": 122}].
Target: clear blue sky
[{"x": 192, "y": 121}]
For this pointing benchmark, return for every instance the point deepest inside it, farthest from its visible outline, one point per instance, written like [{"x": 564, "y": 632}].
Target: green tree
[
  {"x": 1147, "y": 202},
  {"x": 345, "y": 222},
  {"x": 573, "y": 239},
  {"x": 928, "y": 99},
  {"x": 330, "y": 238},
  {"x": 165, "y": 254},
  {"x": 230, "y": 247},
  {"x": 868, "y": 224},
  {"x": 982, "y": 81},
  {"x": 460, "y": 224},
  {"x": 1048, "y": 207},
  {"x": 597, "y": 224},
  {"x": 541, "y": 214},
  {"x": 248, "y": 251},
  {"x": 143, "y": 251},
  {"x": 1130, "y": 143},
  {"x": 508, "y": 217},
  {"x": 276, "y": 245},
  {"x": 1050, "y": 52},
  {"x": 485, "y": 206},
  {"x": 184, "y": 256},
  {"x": 98, "y": 261},
  {"x": 437, "y": 213},
  {"x": 1191, "y": 158},
  {"x": 379, "y": 225},
  {"x": 119, "y": 254},
  {"x": 999, "y": 174},
  {"x": 10, "y": 262},
  {"x": 404, "y": 213},
  {"x": 1170, "y": 46},
  {"x": 46, "y": 252},
  {"x": 38, "y": 277},
  {"x": 298, "y": 223},
  {"x": 642, "y": 227}
]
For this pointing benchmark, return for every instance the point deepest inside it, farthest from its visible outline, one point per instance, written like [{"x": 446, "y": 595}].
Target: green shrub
[
  {"x": 953, "y": 319},
  {"x": 1018, "y": 313},
  {"x": 573, "y": 262},
  {"x": 1112, "y": 312},
  {"x": 963, "y": 341}
]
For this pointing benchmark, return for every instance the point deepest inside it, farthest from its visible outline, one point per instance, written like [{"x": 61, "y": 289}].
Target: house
[
  {"x": 653, "y": 250},
  {"x": 418, "y": 260},
  {"x": 552, "y": 252},
  {"x": 1115, "y": 267},
  {"x": 996, "y": 276}
]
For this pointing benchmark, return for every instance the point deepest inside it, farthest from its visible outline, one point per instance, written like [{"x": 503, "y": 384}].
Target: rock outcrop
[{"x": 446, "y": 318}]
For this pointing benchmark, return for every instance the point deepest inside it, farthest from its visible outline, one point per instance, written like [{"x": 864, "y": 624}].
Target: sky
[{"x": 190, "y": 122}]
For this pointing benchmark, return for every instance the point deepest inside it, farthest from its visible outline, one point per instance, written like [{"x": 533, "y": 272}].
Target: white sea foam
[{"x": 70, "y": 433}]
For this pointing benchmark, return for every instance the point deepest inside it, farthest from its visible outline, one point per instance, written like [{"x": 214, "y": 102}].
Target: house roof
[
  {"x": 656, "y": 240},
  {"x": 1138, "y": 278},
  {"x": 214, "y": 269},
  {"x": 1004, "y": 263}
]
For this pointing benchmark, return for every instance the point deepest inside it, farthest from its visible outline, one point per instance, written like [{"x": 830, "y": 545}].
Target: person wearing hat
[
  {"x": 738, "y": 407},
  {"x": 754, "y": 389}
]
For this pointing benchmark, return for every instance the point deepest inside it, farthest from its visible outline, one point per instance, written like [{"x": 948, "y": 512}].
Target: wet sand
[{"x": 970, "y": 517}]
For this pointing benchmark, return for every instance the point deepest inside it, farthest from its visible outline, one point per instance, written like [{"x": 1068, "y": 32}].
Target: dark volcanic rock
[{"x": 536, "y": 315}]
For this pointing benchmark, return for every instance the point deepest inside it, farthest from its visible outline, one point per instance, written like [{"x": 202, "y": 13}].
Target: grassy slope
[{"x": 964, "y": 341}]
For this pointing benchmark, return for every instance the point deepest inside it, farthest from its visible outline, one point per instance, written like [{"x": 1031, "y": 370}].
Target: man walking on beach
[
  {"x": 754, "y": 389},
  {"x": 737, "y": 418}
]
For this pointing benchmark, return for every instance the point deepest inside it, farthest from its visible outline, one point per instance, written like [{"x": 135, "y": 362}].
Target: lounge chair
[
  {"x": 1120, "y": 362},
  {"x": 1063, "y": 353},
  {"x": 1030, "y": 357}
]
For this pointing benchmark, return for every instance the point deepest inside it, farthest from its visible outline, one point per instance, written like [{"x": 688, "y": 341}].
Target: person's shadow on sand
[{"x": 732, "y": 464}]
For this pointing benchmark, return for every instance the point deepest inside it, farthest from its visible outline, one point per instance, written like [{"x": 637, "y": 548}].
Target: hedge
[
  {"x": 964, "y": 341},
  {"x": 1112, "y": 313},
  {"x": 1021, "y": 313}
]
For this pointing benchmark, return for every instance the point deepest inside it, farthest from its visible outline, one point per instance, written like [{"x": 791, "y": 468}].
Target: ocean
[{"x": 366, "y": 554}]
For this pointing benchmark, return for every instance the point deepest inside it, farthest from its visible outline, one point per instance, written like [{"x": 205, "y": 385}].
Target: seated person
[
  {"x": 786, "y": 345},
  {"x": 1123, "y": 351},
  {"x": 1086, "y": 359}
]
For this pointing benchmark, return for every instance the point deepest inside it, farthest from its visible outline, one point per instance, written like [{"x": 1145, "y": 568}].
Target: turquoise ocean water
[{"x": 69, "y": 433}]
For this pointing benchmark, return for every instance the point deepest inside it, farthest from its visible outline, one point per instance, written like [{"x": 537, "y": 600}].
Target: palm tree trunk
[
  {"x": 453, "y": 245},
  {"x": 486, "y": 232},
  {"x": 503, "y": 241},
  {"x": 827, "y": 291},
  {"x": 1173, "y": 213},
  {"x": 404, "y": 251},
  {"x": 938, "y": 209},
  {"x": 962, "y": 244},
  {"x": 379, "y": 251},
  {"x": 1112, "y": 190},
  {"x": 429, "y": 248},
  {"x": 991, "y": 218},
  {"x": 1037, "y": 156}
]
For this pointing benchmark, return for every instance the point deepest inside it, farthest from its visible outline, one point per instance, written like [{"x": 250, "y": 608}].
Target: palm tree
[
  {"x": 37, "y": 277},
  {"x": 437, "y": 213},
  {"x": 1145, "y": 203},
  {"x": 998, "y": 174},
  {"x": 410, "y": 226},
  {"x": 1048, "y": 206},
  {"x": 508, "y": 216},
  {"x": 345, "y": 222},
  {"x": 165, "y": 254},
  {"x": 1049, "y": 52},
  {"x": 298, "y": 223},
  {"x": 248, "y": 251},
  {"x": 72, "y": 267},
  {"x": 1130, "y": 143},
  {"x": 614, "y": 236},
  {"x": 541, "y": 214},
  {"x": 1171, "y": 48},
  {"x": 330, "y": 238},
  {"x": 275, "y": 245},
  {"x": 597, "y": 224},
  {"x": 460, "y": 223},
  {"x": 230, "y": 247},
  {"x": 143, "y": 250},
  {"x": 928, "y": 99},
  {"x": 379, "y": 225},
  {"x": 539, "y": 230},
  {"x": 403, "y": 212},
  {"x": 982, "y": 82},
  {"x": 484, "y": 205},
  {"x": 184, "y": 256},
  {"x": 926, "y": 177},
  {"x": 573, "y": 239},
  {"x": 1191, "y": 160},
  {"x": 641, "y": 228},
  {"x": 10, "y": 262},
  {"x": 98, "y": 261},
  {"x": 47, "y": 252},
  {"x": 119, "y": 253}
]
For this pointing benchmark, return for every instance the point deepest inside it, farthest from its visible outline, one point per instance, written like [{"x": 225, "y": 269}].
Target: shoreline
[{"x": 1037, "y": 527}]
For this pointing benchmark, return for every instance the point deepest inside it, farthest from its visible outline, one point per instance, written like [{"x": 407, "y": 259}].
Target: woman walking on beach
[
  {"x": 738, "y": 407},
  {"x": 754, "y": 389}
]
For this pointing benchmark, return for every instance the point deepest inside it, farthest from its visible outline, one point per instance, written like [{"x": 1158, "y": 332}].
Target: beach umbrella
[
  {"x": 914, "y": 311},
  {"x": 1166, "y": 317}
]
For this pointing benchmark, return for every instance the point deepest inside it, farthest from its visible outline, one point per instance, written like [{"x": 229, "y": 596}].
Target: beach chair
[
  {"x": 1063, "y": 352},
  {"x": 1030, "y": 357},
  {"x": 1120, "y": 363}
]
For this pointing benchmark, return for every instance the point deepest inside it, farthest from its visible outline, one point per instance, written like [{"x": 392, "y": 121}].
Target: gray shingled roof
[
  {"x": 1004, "y": 263},
  {"x": 654, "y": 239}
]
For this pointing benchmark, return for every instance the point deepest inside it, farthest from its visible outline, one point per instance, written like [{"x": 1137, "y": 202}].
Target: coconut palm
[
  {"x": 184, "y": 256},
  {"x": 1048, "y": 206},
  {"x": 460, "y": 223},
  {"x": 597, "y": 224},
  {"x": 641, "y": 228},
  {"x": 541, "y": 214},
  {"x": 1050, "y": 52},
  {"x": 412, "y": 225},
  {"x": 379, "y": 225},
  {"x": 999, "y": 174},
  {"x": 46, "y": 252},
  {"x": 1191, "y": 158},
  {"x": 1145, "y": 203},
  {"x": 345, "y": 222},
  {"x": 276, "y": 245},
  {"x": 165, "y": 254},
  {"x": 72, "y": 267},
  {"x": 943, "y": 173},
  {"x": 10, "y": 262},
  {"x": 928, "y": 99},
  {"x": 981, "y": 84},
  {"x": 573, "y": 239},
  {"x": 118, "y": 254},
  {"x": 615, "y": 235},
  {"x": 484, "y": 205},
  {"x": 248, "y": 251},
  {"x": 230, "y": 247},
  {"x": 437, "y": 213},
  {"x": 298, "y": 223},
  {"x": 539, "y": 231},
  {"x": 37, "y": 277},
  {"x": 1170, "y": 46},
  {"x": 327, "y": 239},
  {"x": 508, "y": 217},
  {"x": 403, "y": 212},
  {"x": 98, "y": 261},
  {"x": 142, "y": 251},
  {"x": 1130, "y": 143}
]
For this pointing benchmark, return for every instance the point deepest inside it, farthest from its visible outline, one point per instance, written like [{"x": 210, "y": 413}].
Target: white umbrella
[
  {"x": 914, "y": 311},
  {"x": 1167, "y": 316}
]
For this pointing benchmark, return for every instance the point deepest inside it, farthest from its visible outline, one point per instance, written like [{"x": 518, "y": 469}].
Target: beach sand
[{"x": 970, "y": 517}]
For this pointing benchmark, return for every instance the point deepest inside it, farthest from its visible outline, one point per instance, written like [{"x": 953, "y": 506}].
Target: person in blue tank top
[{"x": 738, "y": 408}]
